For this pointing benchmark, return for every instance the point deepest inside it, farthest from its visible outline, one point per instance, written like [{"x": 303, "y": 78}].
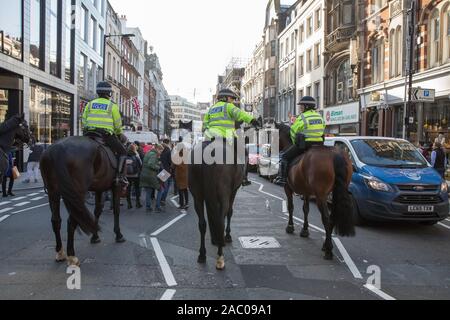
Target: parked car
[
  {"x": 393, "y": 181},
  {"x": 268, "y": 163},
  {"x": 253, "y": 157}
]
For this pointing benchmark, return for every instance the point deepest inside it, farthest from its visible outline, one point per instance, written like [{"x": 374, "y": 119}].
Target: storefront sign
[
  {"x": 423, "y": 95},
  {"x": 348, "y": 113}
]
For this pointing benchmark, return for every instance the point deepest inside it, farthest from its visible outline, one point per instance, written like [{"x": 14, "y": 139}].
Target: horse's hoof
[
  {"x": 201, "y": 259},
  {"x": 290, "y": 229},
  {"x": 73, "y": 261},
  {"x": 328, "y": 256},
  {"x": 304, "y": 234},
  {"x": 61, "y": 256},
  {"x": 95, "y": 240},
  {"x": 228, "y": 239},
  {"x": 220, "y": 264},
  {"x": 120, "y": 240}
]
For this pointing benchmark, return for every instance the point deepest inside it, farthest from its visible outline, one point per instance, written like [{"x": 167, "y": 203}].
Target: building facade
[
  {"x": 253, "y": 81},
  {"x": 183, "y": 110},
  {"x": 113, "y": 51}
]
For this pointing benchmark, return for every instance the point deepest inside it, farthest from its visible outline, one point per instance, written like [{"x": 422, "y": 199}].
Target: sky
[{"x": 196, "y": 39}]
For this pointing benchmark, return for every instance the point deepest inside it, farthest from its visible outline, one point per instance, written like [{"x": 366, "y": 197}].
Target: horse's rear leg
[
  {"x": 72, "y": 260},
  {"x": 99, "y": 205},
  {"x": 200, "y": 209},
  {"x": 228, "y": 238},
  {"x": 290, "y": 197},
  {"x": 55, "y": 204},
  {"x": 116, "y": 208},
  {"x": 328, "y": 245},
  {"x": 305, "y": 230}
]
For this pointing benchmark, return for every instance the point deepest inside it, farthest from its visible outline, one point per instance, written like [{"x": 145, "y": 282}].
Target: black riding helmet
[
  {"x": 308, "y": 102},
  {"x": 227, "y": 93},
  {"x": 104, "y": 89}
]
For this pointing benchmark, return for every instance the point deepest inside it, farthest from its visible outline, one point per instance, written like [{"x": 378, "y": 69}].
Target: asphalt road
[{"x": 159, "y": 259}]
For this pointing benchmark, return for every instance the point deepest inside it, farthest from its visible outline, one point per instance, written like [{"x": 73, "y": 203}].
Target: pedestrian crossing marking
[
  {"x": 4, "y": 218},
  {"x": 5, "y": 202},
  {"x": 5, "y": 210},
  {"x": 22, "y": 204},
  {"x": 259, "y": 243},
  {"x": 18, "y": 199},
  {"x": 37, "y": 199},
  {"x": 33, "y": 194}
]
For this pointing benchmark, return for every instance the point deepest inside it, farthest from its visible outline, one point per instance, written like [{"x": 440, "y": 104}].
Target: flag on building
[{"x": 136, "y": 106}]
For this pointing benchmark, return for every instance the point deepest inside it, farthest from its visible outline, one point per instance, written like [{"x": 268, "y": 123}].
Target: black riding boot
[
  {"x": 122, "y": 179},
  {"x": 281, "y": 180}
]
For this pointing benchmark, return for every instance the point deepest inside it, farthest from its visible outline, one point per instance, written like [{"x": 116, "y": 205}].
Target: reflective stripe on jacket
[
  {"x": 102, "y": 114},
  {"x": 311, "y": 124},
  {"x": 220, "y": 120}
]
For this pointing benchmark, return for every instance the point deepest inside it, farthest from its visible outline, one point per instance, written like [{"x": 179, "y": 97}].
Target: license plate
[{"x": 421, "y": 209}]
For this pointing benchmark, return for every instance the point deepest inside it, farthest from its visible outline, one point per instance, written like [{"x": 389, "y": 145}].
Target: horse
[
  {"x": 70, "y": 169},
  {"x": 216, "y": 186},
  {"x": 13, "y": 132},
  {"x": 321, "y": 171}
]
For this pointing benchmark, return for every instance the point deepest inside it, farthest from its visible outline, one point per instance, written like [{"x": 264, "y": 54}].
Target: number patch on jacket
[{"x": 98, "y": 106}]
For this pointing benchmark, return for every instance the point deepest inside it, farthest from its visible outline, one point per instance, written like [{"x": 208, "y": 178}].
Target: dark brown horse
[
  {"x": 320, "y": 172},
  {"x": 215, "y": 185},
  {"x": 70, "y": 169},
  {"x": 14, "y": 132}
]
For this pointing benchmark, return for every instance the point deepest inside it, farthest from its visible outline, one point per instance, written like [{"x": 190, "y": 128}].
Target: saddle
[
  {"x": 297, "y": 160},
  {"x": 98, "y": 139}
]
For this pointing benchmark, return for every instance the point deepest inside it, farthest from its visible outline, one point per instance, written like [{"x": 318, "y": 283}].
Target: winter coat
[
  {"x": 166, "y": 159},
  {"x": 181, "y": 176},
  {"x": 150, "y": 170},
  {"x": 136, "y": 162},
  {"x": 8, "y": 172}
]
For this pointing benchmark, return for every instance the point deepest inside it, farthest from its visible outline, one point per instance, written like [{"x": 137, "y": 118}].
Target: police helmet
[
  {"x": 227, "y": 93},
  {"x": 308, "y": 102},
  {"x": 104, "y": 88}
]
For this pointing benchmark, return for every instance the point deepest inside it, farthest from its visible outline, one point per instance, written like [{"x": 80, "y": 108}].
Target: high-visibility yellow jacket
[
  {"x": 221, "y": 118},
  {"x": 102, "y": 113},
  {"x": 311, "y": 124}
]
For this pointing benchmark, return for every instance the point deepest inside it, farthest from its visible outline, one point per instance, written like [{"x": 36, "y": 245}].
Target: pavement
[
  {"x": 20, "y": 185},
  {"x": 159, "y": 259}
]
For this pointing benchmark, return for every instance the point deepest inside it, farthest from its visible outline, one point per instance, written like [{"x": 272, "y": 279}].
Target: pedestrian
[
  {"x": 166, "y": 164},
  {"x": 134, "y": 166},
  {"x": 438, "y": 159},
  {"x": 441, "y": 139},
  {"x": 149, "y": 177},
  {"x": 9, "y": 175},
  {"x": 181, "y": 179},
  {"x": 33, "y": 162}
]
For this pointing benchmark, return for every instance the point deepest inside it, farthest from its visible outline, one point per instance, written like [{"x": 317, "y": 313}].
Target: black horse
[
  {"x": 70, "y": 169},
  {"x": 215, "y": 185},
  {"x": 13, "y": 133}
]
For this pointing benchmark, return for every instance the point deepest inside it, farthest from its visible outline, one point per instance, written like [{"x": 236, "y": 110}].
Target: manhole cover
[{"x": 259, "y": 243}]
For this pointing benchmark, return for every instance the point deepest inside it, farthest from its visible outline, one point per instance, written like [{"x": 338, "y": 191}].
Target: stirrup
[{"x": 280, "y": 181}]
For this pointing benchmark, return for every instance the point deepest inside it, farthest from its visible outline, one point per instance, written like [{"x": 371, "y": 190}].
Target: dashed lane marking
[
  {"x": 167, "y": 272},
  {"x": 22, "y": 204},
  {"x": 4, "y": 218},
  {"x": 32, "y": 208},
  {"x": 168, "y": 295},
  {"x": 162, "y": 229},
  {"x": 5, "y": 202},
  {"x": 5, "y": 210}
]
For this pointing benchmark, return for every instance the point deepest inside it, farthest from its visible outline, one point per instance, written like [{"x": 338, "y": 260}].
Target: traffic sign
[{"x": 423, "y": 95}]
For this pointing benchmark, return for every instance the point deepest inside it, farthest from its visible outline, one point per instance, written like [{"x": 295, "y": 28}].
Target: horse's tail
[
  {"x": 342, "y": 213},
  {"x": 72, "y": 199}
]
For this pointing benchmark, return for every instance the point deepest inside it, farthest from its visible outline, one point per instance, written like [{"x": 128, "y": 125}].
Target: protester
[
  {"x": 149, "y": 177},
  {"x": 134, "y": 166},
  {"x": 181, "y": 179},
  {"x": 166, "y": 164},
  {"x": 33, "y": 172},
  {"x": 438, "y": 159},
  {"x": 8, "y": 174}
]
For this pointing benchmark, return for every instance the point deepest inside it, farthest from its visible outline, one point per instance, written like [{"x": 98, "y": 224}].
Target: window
[
  {"x": 392, "y": 53},
  {"x": 93, "y": 33},
  {"x": 91, "y": 76},
  {"x": 309, "y": 26},
  {"x": 68, "y": 42},
  {"x": 398, "y": 51},
  {"x": 55, "y": 61},
  {"x": 308, "y": 60},
  {"x": 37, "y": 38},
  {"x": 318, "y": 18},
  {"x": 447, "y": 35},
  {"x": 301, "y": 64},
  {"x": 100, "y": 40},
  {"x": 293, "y": 41},
  {"x": 317, "y": 93},
  {"x": 308, "y": 90},
  {"x": 282, "y": 51},
  {"x": 317, "y": 55},
  {"x": 287, "y": 47},
  {"x": 11, "y": 41},
  {"x": 378, "y": 61},
  {"x": 344, "y": 82},
  {"x": 84, "y": 23},
  {"x": 434, "y": 38},
  {"x": 301, "y": 34},
  {"x": 82, "y": 72}
]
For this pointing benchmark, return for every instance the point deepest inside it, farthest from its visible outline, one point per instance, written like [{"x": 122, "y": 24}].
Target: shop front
[{"x": 342, "y": 120}]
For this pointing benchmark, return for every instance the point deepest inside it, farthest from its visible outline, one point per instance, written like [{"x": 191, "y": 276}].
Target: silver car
[{"x": 268, "y": 164}]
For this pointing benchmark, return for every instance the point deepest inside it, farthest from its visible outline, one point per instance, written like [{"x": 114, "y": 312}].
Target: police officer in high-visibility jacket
[
  {"x": 220, "y": 120},
  {"x": 102, "y": 117},
  {"x": 307, "y": 131}
]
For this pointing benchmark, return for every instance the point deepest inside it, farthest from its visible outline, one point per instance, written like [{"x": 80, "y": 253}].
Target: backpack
[{"x": 132, "y": 166}]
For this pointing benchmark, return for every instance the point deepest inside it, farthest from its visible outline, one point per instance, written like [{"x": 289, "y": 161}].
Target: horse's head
[
  {"x": 22, "y": 134},
  {"x": 284, "y": 135}
]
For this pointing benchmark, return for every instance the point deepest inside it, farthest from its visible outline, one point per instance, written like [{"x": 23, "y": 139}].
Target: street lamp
[{"x": 105, "y": 37}]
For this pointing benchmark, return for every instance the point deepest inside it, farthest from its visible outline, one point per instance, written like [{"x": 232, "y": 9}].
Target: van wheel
[
  {"x": 357, "y": 218},
  {"x": 428, "y": 223}
]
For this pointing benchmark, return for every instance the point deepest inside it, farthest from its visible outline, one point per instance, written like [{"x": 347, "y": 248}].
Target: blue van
[{"x": 393, "y": 181}]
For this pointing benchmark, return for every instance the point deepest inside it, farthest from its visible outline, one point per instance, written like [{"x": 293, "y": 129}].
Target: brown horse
[
  {"x": 70, "y": 168},
  {"x": 320, "y": 172}
]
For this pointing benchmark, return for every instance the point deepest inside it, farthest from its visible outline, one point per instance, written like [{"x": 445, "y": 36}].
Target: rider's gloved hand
[{"x": 255, "y": 123}]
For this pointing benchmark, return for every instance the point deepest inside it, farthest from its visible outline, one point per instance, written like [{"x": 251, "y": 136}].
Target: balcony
[{"x": 340, "y": 38}]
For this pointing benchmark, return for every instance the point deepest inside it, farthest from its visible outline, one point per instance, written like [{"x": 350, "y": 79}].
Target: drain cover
[{"x": 259, "y": 243}]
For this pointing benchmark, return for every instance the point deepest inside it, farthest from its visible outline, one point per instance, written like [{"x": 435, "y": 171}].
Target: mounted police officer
[
  {"x": 307, "y": 131},
  {"x": 102, "y": 117}
]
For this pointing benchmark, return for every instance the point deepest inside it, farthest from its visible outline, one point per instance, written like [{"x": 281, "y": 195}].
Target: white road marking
[
  {"x": 444, "y": 225},
  {"x": 310, "y": 225},
  {"x": 18, "y": 199},
  {"x": 285, "y": 208},
  {"x": 5, "y": 210},
  {"x": 378, "y": 292},
  {"x": 37, "y": 199},
  {"x": 4, "y": 218},
  {"x": 22, "y": 204},
  {"x": 167, "y": 272},
  {"x": 162, "y": 229},
  {"x": 5, "y": 202},
  {"x": 168, "y": 295},
  {"x": 266, "y": 193},
  {"x": 32, "y": 208},
  {"x": 447, "y": 220},
  {"x": 348, "y": 260},
  {"x": 33, "y": 194}
]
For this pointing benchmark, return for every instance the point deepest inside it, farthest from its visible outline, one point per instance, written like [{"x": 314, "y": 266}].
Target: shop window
[
  {"x": 11, "y": 40},
  {"x": 434, "y": 27}
]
